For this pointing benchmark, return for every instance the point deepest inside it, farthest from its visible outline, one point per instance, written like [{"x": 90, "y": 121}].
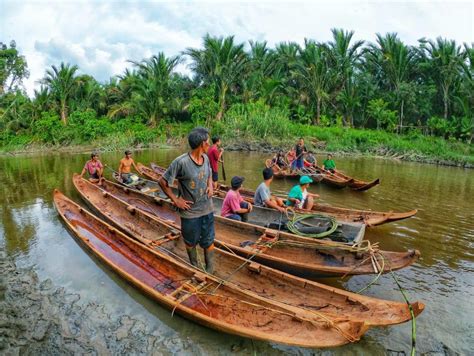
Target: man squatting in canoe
[
  {"x": 215, "y": 156},
  {"x": 125, "y": 167},
  {"x": 194, "y": 200},
  {"x": 94, "y": 168},
  {"x": 299, "y": 196},
  {"x": 234, "y": 207}
]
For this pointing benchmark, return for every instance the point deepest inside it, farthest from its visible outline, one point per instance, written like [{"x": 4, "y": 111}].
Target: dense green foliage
[{"x": 371, "y": 97}]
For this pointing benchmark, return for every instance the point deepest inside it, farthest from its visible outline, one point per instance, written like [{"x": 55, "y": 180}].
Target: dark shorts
[
  {"x": 126, "y": 178},
  {"x": 299, "y": 163},
  {"x": 94, "y": 175},
  {"x": 198, "y": 230},
  {"x": 215, "y": 176},
  {"x": 240, "y": 217}
]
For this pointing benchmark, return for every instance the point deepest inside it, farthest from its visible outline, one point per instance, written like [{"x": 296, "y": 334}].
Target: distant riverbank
[{"x": 339, "y": 141}]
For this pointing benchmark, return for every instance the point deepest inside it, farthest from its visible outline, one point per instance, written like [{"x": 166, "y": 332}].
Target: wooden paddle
[{"x": 223, "y": 168}]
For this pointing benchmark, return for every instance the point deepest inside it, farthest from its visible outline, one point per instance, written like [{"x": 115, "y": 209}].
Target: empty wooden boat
[
  {"x": 247, "y": 274},
  {"x": 201, "y": 297},
  {"x": 281, "y": 250}
]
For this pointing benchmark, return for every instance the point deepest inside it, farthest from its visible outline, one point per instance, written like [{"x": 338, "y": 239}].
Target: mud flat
[{"x": 37, "y": 318}]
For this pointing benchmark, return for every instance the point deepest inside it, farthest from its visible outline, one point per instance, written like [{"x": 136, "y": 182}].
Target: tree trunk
[
  {"x": 445, "y": 101},
  {"x": 153, "y": 120},
  {"x": 400, "y": 125},
  {"x": 221, "y": 104},
  {"x": 63, "y": 113},
  {"x": 316, "y": 120}
]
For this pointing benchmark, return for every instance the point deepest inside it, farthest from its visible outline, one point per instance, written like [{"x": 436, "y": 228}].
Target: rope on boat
[
  {"x": 200, "y": 292},
  {"x": 412, "y": 313},
  {"x": 380, "y": 270},
  {"x": 297, "y": 218}
]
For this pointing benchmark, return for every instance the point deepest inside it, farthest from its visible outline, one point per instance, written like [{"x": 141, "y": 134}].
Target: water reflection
[{"x": 443, "y": 231}]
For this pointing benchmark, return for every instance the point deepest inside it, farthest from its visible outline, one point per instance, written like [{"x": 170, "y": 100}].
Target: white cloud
[{"x": 101, "y": 36}]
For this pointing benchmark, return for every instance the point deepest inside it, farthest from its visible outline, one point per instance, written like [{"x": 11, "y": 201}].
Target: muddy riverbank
[{"x": 38, "y": 318}]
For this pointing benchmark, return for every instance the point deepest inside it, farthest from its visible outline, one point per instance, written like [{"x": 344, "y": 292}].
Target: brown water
[{"x": 443, "y": 230}]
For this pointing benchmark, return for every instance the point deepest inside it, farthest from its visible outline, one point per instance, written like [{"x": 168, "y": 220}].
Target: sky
[{"x": 102, "y": 36}]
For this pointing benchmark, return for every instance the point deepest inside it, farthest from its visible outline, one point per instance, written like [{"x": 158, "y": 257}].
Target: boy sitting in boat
[
  {"x": 234, "y": 207},
  {"x": 263, "y": 197},
  {"x": 299, "y": 196},
  {"x": 94, "y": 167},
  {"x": 125, "y": 168},
  {"x": 329, "y": 164}
]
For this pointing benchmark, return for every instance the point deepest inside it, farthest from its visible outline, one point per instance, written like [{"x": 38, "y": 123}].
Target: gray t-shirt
[
  {"x": 262, "y": 194},
  {"x": 192, "y": 184}
]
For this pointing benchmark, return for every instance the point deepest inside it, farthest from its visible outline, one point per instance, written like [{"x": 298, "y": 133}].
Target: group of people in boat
[
  {"x": 299, "y": 159},
  {"x": 197, "y": 174}
]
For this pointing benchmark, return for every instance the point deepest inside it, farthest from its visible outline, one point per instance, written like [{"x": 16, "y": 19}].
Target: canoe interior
[
  {"x": 264, "y": 281},
  {"x": 347, "y": 232},
  {"x": 314, "y": 261},
  {"x": 176, "y": 286}
]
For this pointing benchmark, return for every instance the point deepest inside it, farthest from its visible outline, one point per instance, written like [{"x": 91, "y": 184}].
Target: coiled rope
[{"x": 299, "y": 218}]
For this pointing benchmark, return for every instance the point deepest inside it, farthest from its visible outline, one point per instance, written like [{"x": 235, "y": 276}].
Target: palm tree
[
  {"x": 152, "y": 87},
  {"x": 61, "y": 83},
  {"x": 447, "y": 60},
  {"x": 261, "y": 80},
  {"x": 393, "y": 62},
  {"x": 346, "y": 58},
  {"x": 119, "y": 94},
  {"x": 313, "y": 74},
  {"x": 220, "y": 62}
]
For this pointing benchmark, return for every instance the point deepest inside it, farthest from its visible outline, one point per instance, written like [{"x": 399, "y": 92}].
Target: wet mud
[{"x": 37, "y": 318}]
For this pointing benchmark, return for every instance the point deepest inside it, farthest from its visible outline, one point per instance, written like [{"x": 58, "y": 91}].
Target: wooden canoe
[
  {"x": 142, "y": 185},
  {"x": 336, "y": 179},
  {"x": 346, "y": 232},
  {"x": 356, "y": 184},
  {"x": 246, "y": 274},
  {"x": 284, "y": 251},
  {"x": 151, "y": 173},
  {"x": 201, "y": 297},
  {"x": 367, "y": 217}
]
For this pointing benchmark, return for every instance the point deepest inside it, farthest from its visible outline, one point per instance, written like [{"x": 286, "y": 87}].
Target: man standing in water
[
  {"x": 125, "y": 167},
  {"x": 193, "y": 173},
  {"x": 215, "y": 156}
]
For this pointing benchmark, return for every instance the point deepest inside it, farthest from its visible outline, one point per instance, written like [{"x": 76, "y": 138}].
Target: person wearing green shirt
[
  {"x": 299, "y": 196},
  {"x": 329, "y": 164}
]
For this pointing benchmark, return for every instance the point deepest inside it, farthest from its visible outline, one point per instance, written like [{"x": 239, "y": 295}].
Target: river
[{"x": 443, "y": 231}]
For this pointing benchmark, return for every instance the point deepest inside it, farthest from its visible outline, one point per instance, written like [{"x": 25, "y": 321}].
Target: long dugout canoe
[
  {"x": 346, "y": 232},
  {"x": 201, "y": 297},
  {"x": 287, "y": 252},
  {"x": 244, "y": 273},
  {"x": 367, "y": 217}
]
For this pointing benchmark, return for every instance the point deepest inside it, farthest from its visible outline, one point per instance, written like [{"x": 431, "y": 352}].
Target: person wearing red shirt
[
  {"x": 215, "y": 153},
  {"x": 234, "y": 207}
]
